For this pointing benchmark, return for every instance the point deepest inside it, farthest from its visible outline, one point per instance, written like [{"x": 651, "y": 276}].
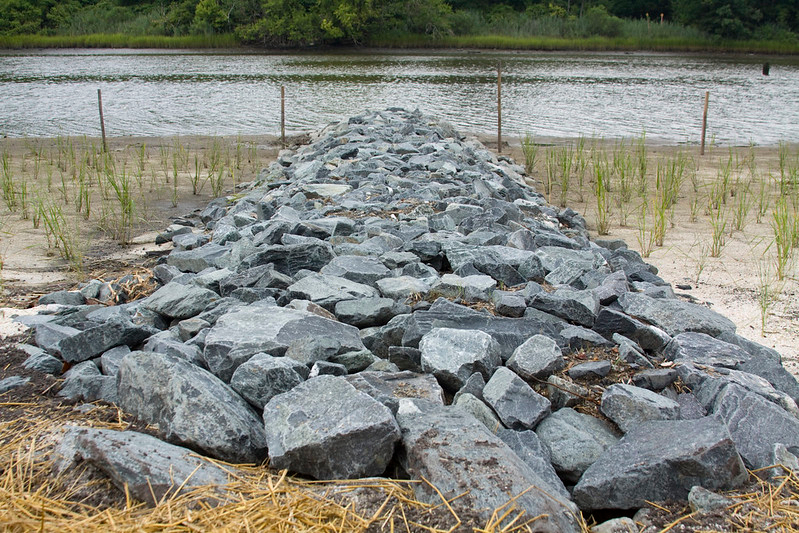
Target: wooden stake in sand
[
  {"x": 499, "y": 108},
  {"x": 102, "y": 122},
  {"x": 704, "y": 124},
  {"x": 283, "y": 116}
]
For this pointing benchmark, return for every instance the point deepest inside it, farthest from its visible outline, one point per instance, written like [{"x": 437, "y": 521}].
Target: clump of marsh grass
[
  {"x": 767, "y": 291},
  {"x": 529, "y": 149},
  {"x": 602, "y": 173},
  {"x": 783, "y": 227},
  {"x": 566, "y": 159}
]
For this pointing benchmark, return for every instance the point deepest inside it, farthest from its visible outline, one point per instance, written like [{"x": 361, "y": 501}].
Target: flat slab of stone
[
  {"x": 263, "y": 377},
  {"x": 191, "y": 407},
  {"x": 628, "y": 406},
  {"x": 175, "y": 300},
  {"x": 328, "y": 429},
  {"x": 508, "y": 332},
  {"x": 390, "y": 387},
  {"x": 660, "y": 461},
  {"x": 459, "y": 456},
  {"x": 92, "y": 342},
  {"x": 675, "y": 316},
  {"x": 142, "y": 464},
  {"x": 327, "y": 291},
  {"x": 270, "y": 329}
]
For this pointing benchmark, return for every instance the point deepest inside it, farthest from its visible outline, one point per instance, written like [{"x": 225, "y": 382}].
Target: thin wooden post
[
  {"x": 499, "y": 108},
  {"x": 102, "y": 122},
  {"x": 283, "y": 116},
  {"x": 704, "y": 124}
]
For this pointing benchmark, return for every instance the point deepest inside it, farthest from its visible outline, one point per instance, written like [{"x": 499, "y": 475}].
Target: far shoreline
[{"x": 477, "y": 43}]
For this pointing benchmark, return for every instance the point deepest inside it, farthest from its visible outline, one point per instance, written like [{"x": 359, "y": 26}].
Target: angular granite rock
[
  {"x": 191, "y": 407},
  {"x": 142, "y": 464},
  {"x": 452, "y": 355},
  {"x": 327, "y": 429},
  {"x": 660, "y": 461},
  {"x": 517, "y": 404},
  {"x": 459, "y": 456},
  {"x": 675, "y": 316},
  {"x": 575, "y": 441},
  {"x": 628, "y": 406},
  {"x": 266, "y": 328}
]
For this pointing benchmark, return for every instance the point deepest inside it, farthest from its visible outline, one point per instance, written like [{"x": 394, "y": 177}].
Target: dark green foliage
[{"x": 346, "y": 22}]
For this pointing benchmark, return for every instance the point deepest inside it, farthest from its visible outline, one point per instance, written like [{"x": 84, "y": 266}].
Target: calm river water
[{"x": 49, "y": 93}]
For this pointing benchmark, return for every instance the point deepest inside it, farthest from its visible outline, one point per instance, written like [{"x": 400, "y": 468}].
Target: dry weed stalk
[{"x": 257, "y": 499}]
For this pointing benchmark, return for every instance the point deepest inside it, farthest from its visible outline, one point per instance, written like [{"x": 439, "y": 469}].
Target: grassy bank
[
  {"x": 501, "y": 42},
  {"x": 118, "y": 40},
  {"x": 596, "y": 43}
]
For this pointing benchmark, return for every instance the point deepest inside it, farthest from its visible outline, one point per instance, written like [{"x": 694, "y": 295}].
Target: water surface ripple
[{"x": 612, "y": 95}]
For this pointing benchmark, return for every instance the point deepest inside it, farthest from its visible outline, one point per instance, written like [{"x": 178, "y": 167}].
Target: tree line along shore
[{"x": 671, "y": 25}]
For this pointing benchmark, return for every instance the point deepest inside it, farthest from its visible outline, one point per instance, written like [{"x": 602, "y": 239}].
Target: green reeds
[
  {"x": 580, "y": 166},
  {"x": 743, "y": 204},
  {"x": 766, "y": 291},
  {"x": 59, "y": 234},
  {"x": 763, "y": 201},
  {"x": 601, "y": 187},
  {"x": 565, "y": 158},
  {"x": 530, "y": 151},
  {"x": 718, "y": 224},
  {"x": 117, "y": 40},
  {"x": 9, "y": 194},
  {"x": 646, "y": 235},
  {"x": 782, "y": 225},
  {"x": 121, "y": 186},
  {"x": 195, "y": 178}
]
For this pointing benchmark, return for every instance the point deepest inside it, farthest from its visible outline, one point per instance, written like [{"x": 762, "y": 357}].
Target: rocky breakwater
[{"x": 394, "y": 298}]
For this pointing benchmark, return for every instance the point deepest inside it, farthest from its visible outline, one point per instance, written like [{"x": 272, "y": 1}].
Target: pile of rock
[{"x": 393, "y": 296}]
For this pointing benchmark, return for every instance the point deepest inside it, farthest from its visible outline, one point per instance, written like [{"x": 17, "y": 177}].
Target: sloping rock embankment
[{"x": 394, "y": 297}]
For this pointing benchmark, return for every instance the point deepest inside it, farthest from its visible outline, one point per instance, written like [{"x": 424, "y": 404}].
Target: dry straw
[{"x": 257, "y": 499}]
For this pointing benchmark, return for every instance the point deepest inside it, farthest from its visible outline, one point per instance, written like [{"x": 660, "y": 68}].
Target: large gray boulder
[
  {"x": 628, "y": 406},
  {"x": 368, "y": 312},
  {"x": 93, "y": 341},
  {"x": 147, "y": 467},
  {"x": 675, "y": 316},
  {"x": 577, "y": 307},
  {"x": 660, "y": 461},
  {"x": 327, "y": 429},
  {"x": 535, "y": 454},
  {"x": 537, "y": 358},
  {"x": 452, "y": 355},
  {"x": 365, "y": 270},
  {"x": 175, "y": 300},
  {"x": 263, "y": 377},
  {"x": 704, "y": 349},
  {"x": 85, "y": 382},
  {"x": 458, "y": 456},
  {"x": 327, "y": 291},
  {"x": 755, "y": 424},
  {"x": 574, "y": 441},
  {"x": 190, "y": 406},
  {"x": 259, "y": 327},
  {"x": 508, "y": 332},
  {"x": 389, "y": 388},
  {"x": 517, "y": 404}
]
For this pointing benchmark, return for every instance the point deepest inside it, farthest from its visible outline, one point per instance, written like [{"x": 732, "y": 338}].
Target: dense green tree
[
  {"x": 638, "y": 9},
  {"x": 730, "y": 19}
]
